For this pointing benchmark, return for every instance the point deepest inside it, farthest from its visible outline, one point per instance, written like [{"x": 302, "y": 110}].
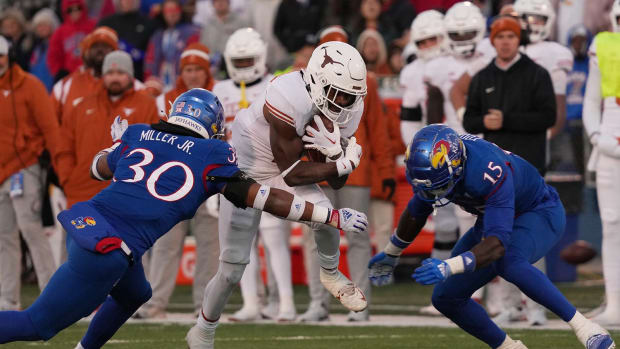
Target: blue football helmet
[
  {"x": 200, "y": 111},
  {"x": 434, "y": 162}
]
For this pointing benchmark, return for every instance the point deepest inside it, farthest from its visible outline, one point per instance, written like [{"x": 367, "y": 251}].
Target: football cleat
[
  {"x": 316, "y": 312},
  {"x": 358, "y": 316},
  {"x": 286, "y": 315},
  {"x": 536, "y": 316},
  {"x": 270, "y": 311},
  {"x": 245, "y": 314},
  {"x": 344, "y": 290},
  {"x": 200, "y": 339}
]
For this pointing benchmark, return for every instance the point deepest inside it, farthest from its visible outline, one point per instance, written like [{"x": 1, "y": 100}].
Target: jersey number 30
[{"x": 154, "y": 176}]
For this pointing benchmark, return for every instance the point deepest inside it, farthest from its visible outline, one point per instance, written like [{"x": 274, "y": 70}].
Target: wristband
[
  {"x": 298, "y": 206},
  {"x": 395, "y": 246},
  {"x": 93, "y": 166},
  {"x": 320, "y": 214},
  {"x": 261, "y": 197},
  {"x": 463, "y": 263},
  {"x": 344, "y": 166}
]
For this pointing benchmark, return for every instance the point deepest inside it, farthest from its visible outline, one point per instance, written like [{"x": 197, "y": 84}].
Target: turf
[{"x": 402, "y": 298}]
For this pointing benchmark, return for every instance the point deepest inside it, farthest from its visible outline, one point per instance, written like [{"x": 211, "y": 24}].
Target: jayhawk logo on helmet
[{"x": 446, "y": 149}]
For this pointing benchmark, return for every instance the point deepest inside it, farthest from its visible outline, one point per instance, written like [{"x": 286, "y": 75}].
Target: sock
[
  {"x": 509, "y": 343},
  {"x": 79, "y": 346},
  {"x": 16, "y": 326},
  {"x": 108, "y": 319},
  {"x": 249, "y": 281},
  {"x": 584, "y": 328},
  {"x": 219, "y": 289},
  {"x": 276, "y": 240}
]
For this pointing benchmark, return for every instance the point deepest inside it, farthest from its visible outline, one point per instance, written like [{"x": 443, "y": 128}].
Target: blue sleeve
[
  {"x": 115, "y": 155},
  {"x": 499, "y": 209},
  {"x": 222, "y": 165},
  {"x": 419, "y": 208}
]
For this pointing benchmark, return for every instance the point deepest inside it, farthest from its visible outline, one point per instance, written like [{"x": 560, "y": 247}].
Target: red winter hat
[{"x": 505, "y": 23}]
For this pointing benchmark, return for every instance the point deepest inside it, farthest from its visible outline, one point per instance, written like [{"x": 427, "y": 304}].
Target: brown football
[
  {"x": 315, "y": 155},
  {"x": 578, "y": 252}
]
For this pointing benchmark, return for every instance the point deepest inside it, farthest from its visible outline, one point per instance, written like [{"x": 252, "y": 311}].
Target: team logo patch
[
  {"x": 440, "y": 151},
  {"x": 82, "y": 222}
]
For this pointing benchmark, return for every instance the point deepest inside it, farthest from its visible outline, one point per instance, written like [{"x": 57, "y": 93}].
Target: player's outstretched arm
[
  {"x": 383, "y": 263},
  {"x": 287, "y": 148},
  {"x": 245, "y": 192}
]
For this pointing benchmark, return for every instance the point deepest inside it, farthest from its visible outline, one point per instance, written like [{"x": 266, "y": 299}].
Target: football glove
[
  {"x": 351, "y": 158},
  {"x": 432, "y": 271},
  {"x": 328, "y": 143},
  {"x": 382, "y": 269},
  {"x": 349, "y": 220},
  {"x": 117, "y": 128}
]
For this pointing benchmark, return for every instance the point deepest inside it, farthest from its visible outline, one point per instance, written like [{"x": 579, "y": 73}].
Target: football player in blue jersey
[
  {"x": 160, "y": 175},
  {"x": 520, "y": 218}
]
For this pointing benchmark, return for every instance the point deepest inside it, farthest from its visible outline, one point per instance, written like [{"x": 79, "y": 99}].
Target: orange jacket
[
  {"x": 372, "y": 135},
  {"x": 73, "y": 88},
  {"x": 397, "y": 147},
  {"x": 85, "y": 130},
  {"x": 28, "y": 122}
]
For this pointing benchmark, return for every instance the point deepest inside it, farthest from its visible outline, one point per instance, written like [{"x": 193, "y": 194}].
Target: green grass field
[{"x": 402, "y": 298}]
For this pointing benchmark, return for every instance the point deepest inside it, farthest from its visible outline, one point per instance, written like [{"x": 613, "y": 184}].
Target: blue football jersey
[
  {"x": 496, "y": 185},
  {"x": 159, "y": 180}
]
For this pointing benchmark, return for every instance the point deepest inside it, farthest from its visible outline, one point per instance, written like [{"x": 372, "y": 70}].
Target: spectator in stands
[
  {"x": 395, "y": 59},
  {"x": 27, "y": 7},
  {"x": 13, "y": 25},
  {"x": 218, "y": 28},
  {"x": 134, "y": 31},
  {"x": 372, "y": 48},
  {"x": 166, "y": 45},
  {"x": 372, "y": 135},
  {"x": 512, "y": 101},
  {"x": 402, "y": 14},
  {"x": 85, "y": 79},
  {"x": 98, "y": 9},
  {"x": 64, "y": 56},
  {"x": 44, "y": 23},
  {"x": 298, "y": 21},
  {"x": 79, "y": 143},
  {"x": 29, "y": 126},
  {"x": 167, "y": 251},
  {"x": 371, "y": 16},
  {"x": 439, "y": 5}
]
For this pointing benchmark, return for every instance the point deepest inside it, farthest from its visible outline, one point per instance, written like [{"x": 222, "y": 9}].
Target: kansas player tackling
[
  {"x": 520, "y": 218},
  {"x": 160, "y": 175}
]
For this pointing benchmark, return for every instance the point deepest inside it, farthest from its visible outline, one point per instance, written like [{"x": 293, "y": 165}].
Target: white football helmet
[
  {"x": 613, "y": 16},
  {"x": 246, "y": 43},
  {"x": 426, "y": 25},
  {"x": 531, "y": 11},
  {"x": 336, "y": 70},
  {"x": 465, "y": 27}
]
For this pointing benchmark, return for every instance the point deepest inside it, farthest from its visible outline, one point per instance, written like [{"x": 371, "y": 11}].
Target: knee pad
[{"x": 231, "y": 273}]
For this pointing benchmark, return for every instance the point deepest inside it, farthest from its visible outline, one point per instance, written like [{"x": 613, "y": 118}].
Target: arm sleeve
[
  {"x": 474, "y": 116},
  {"x": 221, "y": 169},
  {"x": 593, "y": 96},
  {"x": 419, "y": 208},
  {"x": 542, "y": 114},
  {"x": 499, "y": 208}
]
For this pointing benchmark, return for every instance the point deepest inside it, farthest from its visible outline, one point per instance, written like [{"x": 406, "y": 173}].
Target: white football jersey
[
  {"x": 229, "y": 94},
  {"x": 287, "y": 99},
  {"x": 443, "y": 72}
]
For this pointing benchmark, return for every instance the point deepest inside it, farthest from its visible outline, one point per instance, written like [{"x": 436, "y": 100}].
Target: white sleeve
[
  {"x": 278, "y": 105},
  {"x": 593, "y": 97},
  {"x": 562, "y": 66}
]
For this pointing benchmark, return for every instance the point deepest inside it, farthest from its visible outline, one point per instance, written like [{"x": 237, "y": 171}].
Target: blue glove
[
  {"x": 382, "y": 269},
  {"x": 432, "y": 271}
]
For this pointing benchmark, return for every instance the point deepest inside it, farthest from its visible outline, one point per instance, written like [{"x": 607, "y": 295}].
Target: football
[
  {"x": 578, "y": 252},
  {"x": 315, "y": 155}
]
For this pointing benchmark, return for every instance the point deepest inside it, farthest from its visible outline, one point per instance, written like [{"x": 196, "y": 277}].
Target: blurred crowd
[{"x": 69, "y": 67}]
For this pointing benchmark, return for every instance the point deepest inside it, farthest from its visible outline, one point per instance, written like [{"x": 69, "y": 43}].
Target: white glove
[
  {"x": 328, "y": 143},
  {"x": 349, "y": 220},
  {"x": 117, "y": 128},
  {"x": 608, "y": 145},
  {"x": 213, "y": 206},
  {"x": 351, "y": 159}
]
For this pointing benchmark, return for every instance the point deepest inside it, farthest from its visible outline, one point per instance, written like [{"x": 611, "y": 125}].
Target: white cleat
[
  {"x": 430, "y": 310},
  {"x": 344, "y": 290},
  {"x": 508, "y": 316},
  {"x": 200, "y": 339},
  {"x": 518, "y": 345},
  {"x": 286, "y": 315},
  {"x": 270, "y": 311},
  {"x": 606, "y": 319},
  {"x": 536, "y": 316},
  {"x": 316, "y": 312},
  {"x": 593, "y": 336},
  {"x": 245, "y": 314},
  {"x": 360, "y": 316}
]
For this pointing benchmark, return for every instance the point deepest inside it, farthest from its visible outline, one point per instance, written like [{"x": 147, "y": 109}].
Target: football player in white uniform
[
  {"x": 602, "y": 126},
  {"x": 245, "y": 55},
  {"x": 268, "y": 141}
]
